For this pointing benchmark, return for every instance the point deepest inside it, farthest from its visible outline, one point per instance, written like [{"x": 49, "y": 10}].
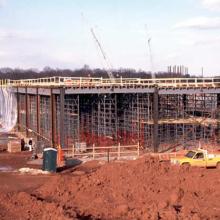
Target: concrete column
[
  {"x": 62, "y": 103},
  {"x": 155, "y": 119}
]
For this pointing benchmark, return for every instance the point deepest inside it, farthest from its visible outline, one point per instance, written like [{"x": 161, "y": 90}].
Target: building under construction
[{"x": 159, "y": 114}]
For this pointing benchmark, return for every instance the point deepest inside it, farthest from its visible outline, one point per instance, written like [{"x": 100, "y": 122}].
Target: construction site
[
  {"x": 121, "y": 136},
  {"x": 159, "y": 115},
  {"x": 129, "y": 142}
]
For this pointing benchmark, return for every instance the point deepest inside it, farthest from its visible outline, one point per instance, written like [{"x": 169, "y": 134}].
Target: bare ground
[{"x": 141, "y": 189}]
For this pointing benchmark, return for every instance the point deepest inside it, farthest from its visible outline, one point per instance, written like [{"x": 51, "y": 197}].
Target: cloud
[
  {"x": 211, "y": 4},
  {"x": 200, "y": 23}
]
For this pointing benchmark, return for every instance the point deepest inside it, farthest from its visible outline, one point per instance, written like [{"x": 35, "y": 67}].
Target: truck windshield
[{"x": 190, "y": 154}]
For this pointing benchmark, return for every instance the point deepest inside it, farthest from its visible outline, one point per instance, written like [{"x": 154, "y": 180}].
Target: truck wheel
[
  {"x": 218, "y": 165},
  {"x": 186, "y": 165}
]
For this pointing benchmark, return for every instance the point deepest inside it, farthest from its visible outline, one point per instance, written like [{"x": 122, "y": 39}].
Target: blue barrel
[{"x": 50, "y": 159}]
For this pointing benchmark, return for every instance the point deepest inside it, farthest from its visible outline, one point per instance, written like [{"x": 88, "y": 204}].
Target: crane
[
  {"x": 109, "y": 66},
  {"x": 106, "y": 60},
  {"x": 150, "y": 52}
]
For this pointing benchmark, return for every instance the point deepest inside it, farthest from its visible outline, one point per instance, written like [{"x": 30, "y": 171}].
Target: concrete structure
[{"x": 157, "y": 113}]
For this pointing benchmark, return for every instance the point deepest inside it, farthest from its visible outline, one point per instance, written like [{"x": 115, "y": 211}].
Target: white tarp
[{"x": 8, "y": 109}]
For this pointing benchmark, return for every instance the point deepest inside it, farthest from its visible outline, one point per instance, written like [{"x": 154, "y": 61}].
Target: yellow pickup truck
[{"x": 199, "y": 158}]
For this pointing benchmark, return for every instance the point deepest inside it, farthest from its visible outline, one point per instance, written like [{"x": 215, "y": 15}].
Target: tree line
[{"x": 15, "y": 74}]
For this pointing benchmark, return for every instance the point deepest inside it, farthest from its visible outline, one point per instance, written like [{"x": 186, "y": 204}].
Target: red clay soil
[
  {"x": 141, "y": 189},
  {"x": 16, "y": 160}
]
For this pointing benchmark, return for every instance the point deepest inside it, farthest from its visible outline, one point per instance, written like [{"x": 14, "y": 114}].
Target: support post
[
  {"x": 53, "y": 117},
  {"x": 99, "y": 115},
  {"x": 27, "y": 105},
  {"x": 73, "y": 153},
  {"x": 93, "y": 151},
  {"x": 108, "y": 156},
  {"x": 119, "y": 151},
  {"x": 18, "y": 110},
  {"x": 62, "y": 103},
  {"x": 138, "y": 119},
  {"x": 155, "y": 119},
  {"x": 78, "y": 120},
  {"x": 38, "y": 114},
  {"x": 218, "y": 118},
  {"x": 184, "y": 105},
  {"x": 116, "y": 119}
]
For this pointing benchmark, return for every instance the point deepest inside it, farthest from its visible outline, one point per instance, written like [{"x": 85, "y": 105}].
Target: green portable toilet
[{"x": 50, "y": 159}]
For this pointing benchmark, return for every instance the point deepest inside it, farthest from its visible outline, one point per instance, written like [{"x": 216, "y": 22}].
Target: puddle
[{"x": 5, "y": 169}]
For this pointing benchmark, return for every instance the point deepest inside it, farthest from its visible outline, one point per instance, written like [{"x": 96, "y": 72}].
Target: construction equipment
[
  {"x": 150, "y": 52},
  {"x": 109, "y": 66},
  {"x": 97, "y": 42}
]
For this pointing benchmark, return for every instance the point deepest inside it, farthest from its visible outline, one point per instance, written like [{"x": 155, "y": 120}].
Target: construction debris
[{"x": 27, "y": 170}]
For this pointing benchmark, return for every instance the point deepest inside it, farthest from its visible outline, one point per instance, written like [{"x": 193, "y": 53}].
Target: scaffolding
[
  {"x": 71, "y": 119},
  {"x": 154, "y": 119},
  {"x": 33, "y": 112}
]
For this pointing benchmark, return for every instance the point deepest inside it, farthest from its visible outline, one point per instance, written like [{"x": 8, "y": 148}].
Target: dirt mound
[{"x": 141, "y": 189}]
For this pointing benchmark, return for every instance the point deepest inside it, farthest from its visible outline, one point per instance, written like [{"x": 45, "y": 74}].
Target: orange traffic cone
[{"x": 60, "y": 156}]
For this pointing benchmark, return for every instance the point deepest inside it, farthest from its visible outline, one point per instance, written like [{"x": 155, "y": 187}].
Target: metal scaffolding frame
[
  {"x": 45, "y": 117},
  {"x": 156, "y": 120},
  {"x": 71, "y": 119}
]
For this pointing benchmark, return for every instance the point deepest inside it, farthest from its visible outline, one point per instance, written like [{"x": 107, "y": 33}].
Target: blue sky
[{"x": 35, "y": 34}]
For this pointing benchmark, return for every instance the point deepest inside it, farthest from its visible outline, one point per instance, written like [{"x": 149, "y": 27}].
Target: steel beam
[
  {"x": 155, "y": 119},
  {"x": 108, "y": 90},
  {"x": 118, "y": 89},
  {"x": 188, "y": 91}
]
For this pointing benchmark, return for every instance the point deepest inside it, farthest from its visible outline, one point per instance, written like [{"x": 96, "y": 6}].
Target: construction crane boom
[
  {"x": 110, "y": 74},
  {"x": 150, "y": 52}
]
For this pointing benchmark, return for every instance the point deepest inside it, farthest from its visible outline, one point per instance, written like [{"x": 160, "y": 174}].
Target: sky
[{"x": 55, "y": 33}]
